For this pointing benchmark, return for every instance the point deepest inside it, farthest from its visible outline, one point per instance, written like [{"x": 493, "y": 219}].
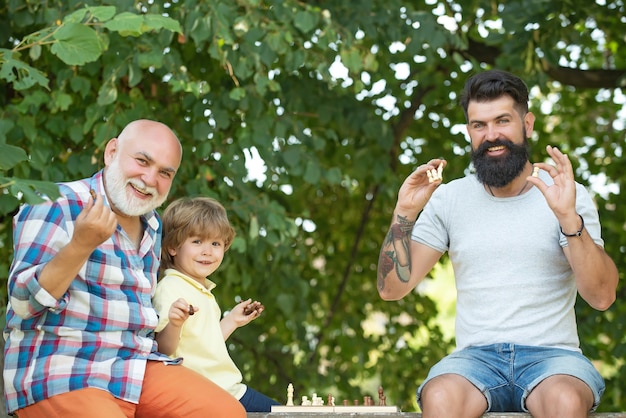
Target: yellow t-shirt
[{"x": 202, "y": 344}]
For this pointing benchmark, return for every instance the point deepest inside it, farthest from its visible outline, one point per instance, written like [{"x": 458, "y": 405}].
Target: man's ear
[
  {"x": 529, "y": 123},
  {"x": 110, "y": 150}
]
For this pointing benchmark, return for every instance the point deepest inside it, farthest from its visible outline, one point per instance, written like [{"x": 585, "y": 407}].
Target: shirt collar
[{"x": 208, "y": 284}]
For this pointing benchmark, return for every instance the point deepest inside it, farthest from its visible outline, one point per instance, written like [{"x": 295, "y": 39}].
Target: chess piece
[
  {"x": 331, "y": 400},
  {"x": 382, "y": 399},
  {"x": 316, "y": 400},
  {"x": 306, "y": 401},
  {"x": 290, "y": 394}
]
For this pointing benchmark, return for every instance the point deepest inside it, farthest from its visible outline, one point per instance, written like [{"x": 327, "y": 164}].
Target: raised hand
[
  {"x": 419, "y": 186},
  {"x": 246, "y": 311},
  {"x": 560, "y": 196},
  {"x": 179, "y": 311},
  {"x": 95, "y": 224}
]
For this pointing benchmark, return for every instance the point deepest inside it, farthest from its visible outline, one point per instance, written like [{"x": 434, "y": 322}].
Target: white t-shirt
[{"x": 514, "y": 284}]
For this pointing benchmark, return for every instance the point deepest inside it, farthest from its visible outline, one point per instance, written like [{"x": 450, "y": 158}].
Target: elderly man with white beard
[{"x": 80, "y": 322}]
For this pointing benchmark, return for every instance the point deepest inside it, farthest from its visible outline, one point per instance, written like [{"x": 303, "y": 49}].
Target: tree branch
[{"x": 585, "y": 79}]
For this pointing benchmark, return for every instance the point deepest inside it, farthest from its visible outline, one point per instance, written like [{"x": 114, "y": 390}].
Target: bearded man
[
  {"x": 524, "y": 239},
  {"x": 80, "y": 322}
]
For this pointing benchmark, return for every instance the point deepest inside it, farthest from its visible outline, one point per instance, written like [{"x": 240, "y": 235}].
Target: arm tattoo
[{"x": 395, "y": 252}]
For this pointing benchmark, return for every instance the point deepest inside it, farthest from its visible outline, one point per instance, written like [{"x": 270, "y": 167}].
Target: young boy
[{"x": 196, "y": 234}]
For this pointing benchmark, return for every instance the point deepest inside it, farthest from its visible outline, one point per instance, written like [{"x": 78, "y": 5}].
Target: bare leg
[
  {"x": 451, "y": 395},
  {"x": 560, "y": 396}
]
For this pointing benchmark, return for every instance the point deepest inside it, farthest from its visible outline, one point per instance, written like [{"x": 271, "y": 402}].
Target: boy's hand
[
  {"x": 180, "y": 311},
  {"x": 246, "y": 311},
  {"x": 253, "y": 307}
]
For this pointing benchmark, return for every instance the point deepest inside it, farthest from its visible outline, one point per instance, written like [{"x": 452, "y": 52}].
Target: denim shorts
[{"x": 507, "y": 373}]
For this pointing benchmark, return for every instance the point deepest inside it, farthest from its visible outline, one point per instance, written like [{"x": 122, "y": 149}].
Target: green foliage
[{"x": 247, "y": 77}]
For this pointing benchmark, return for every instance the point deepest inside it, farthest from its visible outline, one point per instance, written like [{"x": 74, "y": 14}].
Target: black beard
[{"x": 499, "y": 171}]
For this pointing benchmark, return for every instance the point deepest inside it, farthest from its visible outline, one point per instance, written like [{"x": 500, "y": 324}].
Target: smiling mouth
[
  {"x": 140, "y": 191},
  {"x": 496, "y": 148}
]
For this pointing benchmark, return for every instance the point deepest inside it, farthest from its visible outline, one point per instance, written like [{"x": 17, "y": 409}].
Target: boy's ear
[{"x": 172, "y": 252}]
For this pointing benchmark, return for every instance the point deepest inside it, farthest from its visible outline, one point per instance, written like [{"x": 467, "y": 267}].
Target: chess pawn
[
  {"x": 316, "y": 400},
  {"x": 305, "y": 400},
  {"x": 382, "y": 399}
]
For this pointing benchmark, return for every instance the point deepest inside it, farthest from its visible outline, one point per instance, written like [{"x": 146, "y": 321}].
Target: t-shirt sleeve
[
  {"x": 430, "y": 227},
  {"x": 162, "y": 300}
]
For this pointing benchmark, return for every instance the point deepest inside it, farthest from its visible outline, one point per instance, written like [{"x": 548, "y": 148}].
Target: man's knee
[
  {"x": 452, "y": 393},
  {"x": 560, "y": 393}
]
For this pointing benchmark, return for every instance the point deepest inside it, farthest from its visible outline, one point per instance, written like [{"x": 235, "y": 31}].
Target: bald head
[{"x": 156, "y": 133}]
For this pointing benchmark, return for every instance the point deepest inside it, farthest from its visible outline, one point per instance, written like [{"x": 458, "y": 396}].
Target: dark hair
[
  {"x": 492, "y": 84},
  {"x": 186, "y": 217}
]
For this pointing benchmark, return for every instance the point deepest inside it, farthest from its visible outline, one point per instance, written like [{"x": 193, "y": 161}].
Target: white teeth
[
  {"x": 145, "y": 192},
  {"x": 498, "y": 148}
]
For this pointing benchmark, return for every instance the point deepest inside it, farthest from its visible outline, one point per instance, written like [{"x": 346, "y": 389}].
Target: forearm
[
  {"x": 394, "y": 263},
  {"x": 62, "y": 269},
  {"x": 168, "y": 339},
  {"x": 595, "y": 273},
  {"x": 228, "y": 326}
]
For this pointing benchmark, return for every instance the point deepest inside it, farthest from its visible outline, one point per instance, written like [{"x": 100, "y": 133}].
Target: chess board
[
  {"x": 317, "y": 405},
  {"x": 337, "y": 409}
]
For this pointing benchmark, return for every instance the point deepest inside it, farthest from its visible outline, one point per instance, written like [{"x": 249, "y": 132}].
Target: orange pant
[{"x": 168, "y": 392}]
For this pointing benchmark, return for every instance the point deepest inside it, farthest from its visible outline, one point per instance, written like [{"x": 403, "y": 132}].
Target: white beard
[{"x": 116, "y": 185}]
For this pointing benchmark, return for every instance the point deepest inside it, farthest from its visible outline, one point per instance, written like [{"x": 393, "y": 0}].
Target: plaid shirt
[{"x": 99, "y": 334}]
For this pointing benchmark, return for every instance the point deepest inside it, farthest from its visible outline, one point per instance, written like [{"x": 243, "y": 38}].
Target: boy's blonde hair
[{"x": 203, "y": 217}]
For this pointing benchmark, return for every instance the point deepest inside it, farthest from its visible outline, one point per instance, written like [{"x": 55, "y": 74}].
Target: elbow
[
  {"x": 21, "y": 308},
  {"x": 604, "y": 303},
  {"x": 168, "y": 353},
  {"x": 164, "y": 349},
  {"x": 605, "y": 299},
  {"x": 388, "y": 295}
]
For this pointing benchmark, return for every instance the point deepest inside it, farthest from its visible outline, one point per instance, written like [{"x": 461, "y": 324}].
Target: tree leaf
[
  {"x": 8, "y": 203},
  {"x": 126, "y": 23},
  {"x": 130, "y": 24},
  {"x": 107, "y": 94},
  {"x": 102, "y": 13},
  {"x": 19, "y": 74},
  {"x": 154, "y": 22},
  {"x": 305, "y": 21},
  {"x": 76, "y": 44},
  {"x": 34, "y": 191},
  {"x": 10, "y": 156}
]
